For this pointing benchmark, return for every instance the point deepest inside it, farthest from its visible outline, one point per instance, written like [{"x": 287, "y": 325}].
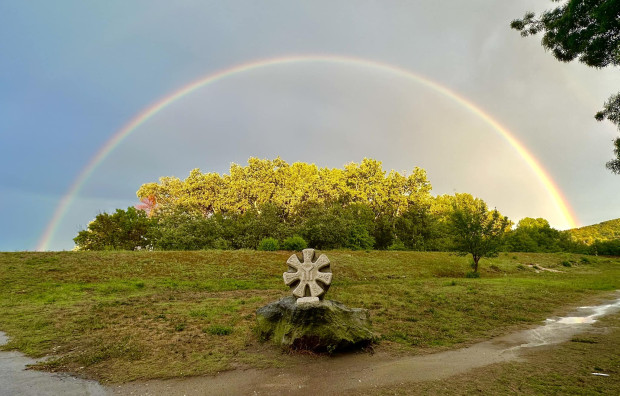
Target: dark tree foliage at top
[
  {"x": 611, "y": 111},
  {"x": 587, "y": 30}
]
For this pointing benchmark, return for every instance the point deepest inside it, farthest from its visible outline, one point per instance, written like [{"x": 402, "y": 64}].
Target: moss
[{"x": 328, "y": 326}]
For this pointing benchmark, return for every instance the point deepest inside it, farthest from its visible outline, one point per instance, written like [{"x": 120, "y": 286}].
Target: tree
[
  {"x": 289, "y": 187},
  {"x": 415, "y": 228},
  {"x": 324, "y": 227},
  {"x": 534, "y": 235},
  {"x": 122, "y": 230},
  {"x": 360, "y": 226},
  {"x": 148, "y": 205},
  {"x": 246, "y": 230},
  {"x": 185, "y": 231},
  {"x": 476, "y": 230},
  {"x": 587, "y": 30}
]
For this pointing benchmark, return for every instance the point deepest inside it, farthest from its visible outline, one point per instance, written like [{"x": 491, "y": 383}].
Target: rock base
[{"x": 322, "y": 326}]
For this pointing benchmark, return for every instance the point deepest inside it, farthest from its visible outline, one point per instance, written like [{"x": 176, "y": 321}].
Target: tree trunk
[{"x": 476, "y": 259}]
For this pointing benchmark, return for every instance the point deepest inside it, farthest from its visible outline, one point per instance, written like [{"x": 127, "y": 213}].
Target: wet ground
[
  {"x": 16, "y": 380},
  {"x": 322, "y": 375}
]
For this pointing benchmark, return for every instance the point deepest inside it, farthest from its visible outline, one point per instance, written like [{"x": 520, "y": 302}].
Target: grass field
[{"x": 121, "y": 316}]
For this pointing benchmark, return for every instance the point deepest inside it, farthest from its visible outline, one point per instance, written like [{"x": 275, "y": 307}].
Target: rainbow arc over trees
[{"x": 555, "y": 193}]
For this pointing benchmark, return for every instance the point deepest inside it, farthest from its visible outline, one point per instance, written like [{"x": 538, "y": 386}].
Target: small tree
[
  {"x": 476, "y": 230},
  {"x": 268, "y": 245},
  {"x": 295, "y": 242},
  {"x": 123, "y": 230}
]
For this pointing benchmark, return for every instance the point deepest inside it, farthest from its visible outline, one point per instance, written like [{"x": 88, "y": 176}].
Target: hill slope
[{"x": 605, "y": 231}]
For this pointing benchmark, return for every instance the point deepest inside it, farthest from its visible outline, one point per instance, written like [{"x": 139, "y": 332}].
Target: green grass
[{"x": 121, "y": 316}]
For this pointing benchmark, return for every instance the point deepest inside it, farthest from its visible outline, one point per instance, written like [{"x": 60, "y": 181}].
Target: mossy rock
[{"x": 323, "y": 326}]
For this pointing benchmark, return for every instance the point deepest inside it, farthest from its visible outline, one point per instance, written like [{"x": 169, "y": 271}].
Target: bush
[
  {"x": 295, "y": 243},
  {"x": 222, "y": 244},
  {"x": 359, "y": 238},
  {"x": 269, "y": 245},
  {"x": 472, "y": 274},
  {"x": 397, "y": 245}
]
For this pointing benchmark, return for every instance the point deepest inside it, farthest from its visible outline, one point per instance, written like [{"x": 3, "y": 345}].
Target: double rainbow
[{"x": 66, "y": 201}]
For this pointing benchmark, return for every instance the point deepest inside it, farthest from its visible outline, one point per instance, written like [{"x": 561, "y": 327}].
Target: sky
[{"x": 73, "y": 74}]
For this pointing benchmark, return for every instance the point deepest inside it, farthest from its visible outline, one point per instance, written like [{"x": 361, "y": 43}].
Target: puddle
[
  {"x": 597, "y": 311},
  {"x": 16, "y": 380},
  {"x": 557, "y": 330}
]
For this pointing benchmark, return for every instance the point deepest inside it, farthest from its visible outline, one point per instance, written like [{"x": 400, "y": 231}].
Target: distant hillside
[{"x": 605, "y": 231}]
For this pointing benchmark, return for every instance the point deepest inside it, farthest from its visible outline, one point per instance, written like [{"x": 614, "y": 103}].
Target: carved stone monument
[
  {"x": 309, "y": 280},
  {"x": 306, "y": 320}
]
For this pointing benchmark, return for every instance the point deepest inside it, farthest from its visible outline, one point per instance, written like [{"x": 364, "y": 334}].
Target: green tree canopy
[
  {"x": 476, "y": 229},
  {"x": 534, "y": 235},
  {"x": 289, "y": 187},
  {"x": 587, "y": 30},
  {"x": 123, "y": 230},
  {"x": 360, "y": 206}
]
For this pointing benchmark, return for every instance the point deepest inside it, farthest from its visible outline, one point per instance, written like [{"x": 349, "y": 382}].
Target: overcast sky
[{"x": 73, "y": 73}]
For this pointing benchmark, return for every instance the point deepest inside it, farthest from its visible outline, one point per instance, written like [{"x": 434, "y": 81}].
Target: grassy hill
[
  {"x": 121, "y": 316},
  {"x": 605, "y": 231}
]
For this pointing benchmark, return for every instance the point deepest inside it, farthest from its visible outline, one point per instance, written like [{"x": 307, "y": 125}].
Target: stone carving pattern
[{"x": 308, "y": 272}]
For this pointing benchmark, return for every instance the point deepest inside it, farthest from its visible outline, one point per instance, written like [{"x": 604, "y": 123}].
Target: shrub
[
  {"x": 566, "y": 263},
  {"x": 472, "y": 274},
  {"x": 222, "y": 244},
  {"x": 296, "y": 243},
  {"x": 359, "y": 238},
  {"x": 397, "y": 245},
  {"x": 269, "y": 244}
]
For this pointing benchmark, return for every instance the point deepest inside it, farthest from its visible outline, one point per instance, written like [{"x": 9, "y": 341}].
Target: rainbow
[{"x": 555, "y": 193}]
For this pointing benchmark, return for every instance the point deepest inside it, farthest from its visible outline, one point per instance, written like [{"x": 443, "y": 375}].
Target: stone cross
[{"x": 303, "y": 277}]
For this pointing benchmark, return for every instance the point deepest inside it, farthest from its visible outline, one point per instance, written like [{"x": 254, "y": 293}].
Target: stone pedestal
[{"x": 319, "y": 326}]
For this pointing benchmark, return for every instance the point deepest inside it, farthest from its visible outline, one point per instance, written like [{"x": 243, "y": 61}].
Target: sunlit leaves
[{"x": 289, "y": 187}]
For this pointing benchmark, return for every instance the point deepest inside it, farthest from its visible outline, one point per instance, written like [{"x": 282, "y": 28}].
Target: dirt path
[{"x": 348, "y": 373}]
